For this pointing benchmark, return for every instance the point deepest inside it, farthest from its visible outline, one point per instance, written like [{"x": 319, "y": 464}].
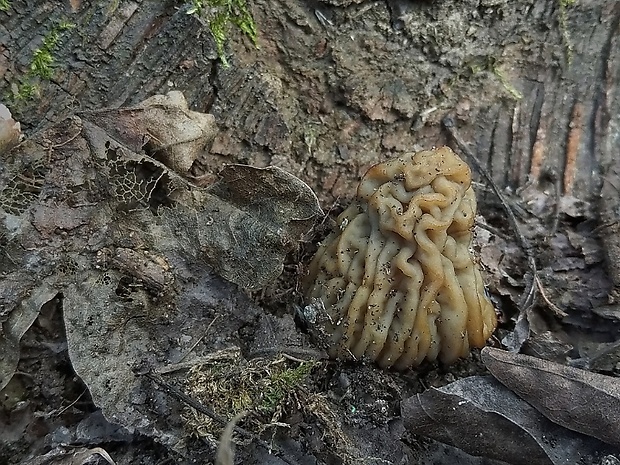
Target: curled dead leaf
[{"x": 10, "y": 131}]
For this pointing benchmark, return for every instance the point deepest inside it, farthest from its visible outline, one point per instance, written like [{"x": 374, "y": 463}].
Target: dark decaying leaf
[
  {"x": 271, "y": 194},
  {"x": 515, "y": 339},
  {"x": 576, "y": 399},
  {"x": 243, "y": 226},
  {"x": 483, "y": 418},
  {"x": 16, "y": 325},
  {"x": 547, "y": 345},
  {"x": 132, "y": 245},
  {"x": 611, "y": 312},
  {"x": 271, "y": 210},
  {"x": 602, "y": 357}
]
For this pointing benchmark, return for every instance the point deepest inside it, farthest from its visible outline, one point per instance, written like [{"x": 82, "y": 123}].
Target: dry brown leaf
[
  {"x": 483, "y": 418},
  {"x": 10, "y": 131},
  {"x": 576, "y": 399}
]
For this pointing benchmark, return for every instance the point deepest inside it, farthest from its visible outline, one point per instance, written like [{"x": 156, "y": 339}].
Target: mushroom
[{"x": 398, "y": 282}]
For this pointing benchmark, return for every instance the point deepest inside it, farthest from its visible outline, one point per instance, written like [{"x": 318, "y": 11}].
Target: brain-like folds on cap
[{"x": 398, "y": 281}]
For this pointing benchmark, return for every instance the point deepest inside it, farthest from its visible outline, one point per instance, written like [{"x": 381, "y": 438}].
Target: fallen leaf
[
  {"x": 135, "y": 247},
  {"x": 576, "y": 399},
  {"x": 483, "y": 418},
  {"x": 16, "y": 324},
  {"x": 10, "y": 132},
  {"x": 162, "y": 126}
]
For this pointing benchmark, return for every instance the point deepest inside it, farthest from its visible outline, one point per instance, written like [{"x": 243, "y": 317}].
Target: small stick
[
  {"x": 557, "y": 311},
  {"x": 63, "y": 410},
  {"x": 199, "y": 339},
  {"x": 528, "y": 295},
  {"x": 292, "y": 353},
  {"x": 225, "y": 453},
  {"x": 180, "y": 395},
  {"x": 450, "y": 125}
]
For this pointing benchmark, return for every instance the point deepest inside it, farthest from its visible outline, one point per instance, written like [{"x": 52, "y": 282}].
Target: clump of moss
[
  {"x": 42, "y": 63},
  {"x": 220, "y": 15},
  {"x": 280, "y": 383},
  {"x": 24, "y": 91},
  {"x": 5, "y": 5},
  {"x": 268, "y": 392},
  {"x": 43, "y": 58},
  {"x": 230, "y": 385}
]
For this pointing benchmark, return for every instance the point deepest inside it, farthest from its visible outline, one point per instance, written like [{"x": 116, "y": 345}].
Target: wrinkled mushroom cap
[{"x": 397, "y": 280}]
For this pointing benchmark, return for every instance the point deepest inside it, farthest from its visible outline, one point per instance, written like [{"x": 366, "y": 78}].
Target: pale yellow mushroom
[{"x": 397, "y": 280}]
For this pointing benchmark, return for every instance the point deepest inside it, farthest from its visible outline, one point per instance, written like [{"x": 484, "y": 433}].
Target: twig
[
  {"x": 557, "y": 311},
  {"x": 180, "y": 395},
  {"x": 62, "y": 144},
  {"x": 72, "y": 403},
  {"x": 225, "y": 453},
  {"x": 293, "y": 359},
  {"x": 328, "y": 212},
  {"x": 201, "y": 360},
  {"x": 530, "y": 290},
  {"x": 491, "y": 229},
  {"x": 450, "y": 125},
  {"x": 52, "y": 147},
  {"x": 292, "y": 353},
  {"x": 199, "y": 339}
]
